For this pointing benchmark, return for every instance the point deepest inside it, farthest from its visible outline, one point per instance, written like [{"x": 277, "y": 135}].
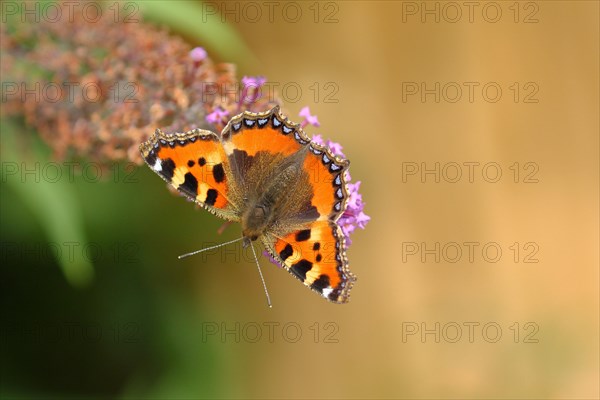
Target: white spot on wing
[
  {"x": 327, "y": 291},
  {"x": 157, "y": 165}
]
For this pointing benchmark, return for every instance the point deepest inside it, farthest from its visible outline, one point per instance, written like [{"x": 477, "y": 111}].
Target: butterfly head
[{"x": 255, "y": 221}]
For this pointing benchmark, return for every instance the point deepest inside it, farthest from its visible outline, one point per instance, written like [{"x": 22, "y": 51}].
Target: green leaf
[{"x": 54, "y": 203}]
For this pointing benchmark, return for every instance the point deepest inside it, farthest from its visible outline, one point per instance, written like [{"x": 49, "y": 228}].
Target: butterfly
[{"x": 265, "y": 173}]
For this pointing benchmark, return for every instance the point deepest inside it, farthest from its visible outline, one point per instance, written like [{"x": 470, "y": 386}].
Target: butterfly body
[
  {"x": 263, "y": 172},
  {"x": 273, "y": 196}
]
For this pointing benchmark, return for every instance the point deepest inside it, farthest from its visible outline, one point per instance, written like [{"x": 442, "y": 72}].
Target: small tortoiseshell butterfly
[{"x": 264, "y": 172}]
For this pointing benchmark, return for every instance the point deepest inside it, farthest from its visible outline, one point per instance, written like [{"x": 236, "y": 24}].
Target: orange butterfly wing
[
  {"x": 316, "y": 255},
  {"x": 195, "y": 164}
]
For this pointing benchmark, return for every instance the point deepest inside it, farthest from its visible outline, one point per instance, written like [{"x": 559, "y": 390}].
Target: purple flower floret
[
  {"x": 318, "y": 140},
  {"x": 251, "y": 90},
  {"x": 353, "y": 216},
  {"x": 216, "y": 116},
  {"x": 336, "y": 148},
  {"x": 198, "y": 54},
  {"x": 309, "y": 119},
  {"x": 270, "y": 258},
  {"x": 253, "y": 81}
]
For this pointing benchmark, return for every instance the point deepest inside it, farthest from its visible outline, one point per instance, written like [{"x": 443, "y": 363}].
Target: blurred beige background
[{"x": 372, "y": 54}]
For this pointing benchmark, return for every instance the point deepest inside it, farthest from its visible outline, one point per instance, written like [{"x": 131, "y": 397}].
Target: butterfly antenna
[
  {"x": 261, "y": 276},
  {"x": 208, "y": 248}
]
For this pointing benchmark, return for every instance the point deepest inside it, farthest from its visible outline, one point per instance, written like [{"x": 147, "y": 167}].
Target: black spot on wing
[
  {"x": 321, "y": 283},
  {"x": 319, "y": 258},
  {"x": 202, "y": 161},
  {"x": 316, "y": 246},
  {"x": 301, "y": 268},
  {"x": 308, "y": 213},
  {"x": 337, "y": 291},
  {"x": 286, "y": 252},
  {"x": 211, "y": 197},
  {"x": 151, "y": 159},
  {"x": 168, "y": 167},
  {"x": 190, "y": 163},
  {"x": 189, "y": 185},
  {"x": 303, "y": 235},
  {"x": 218, "y": 173}
]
